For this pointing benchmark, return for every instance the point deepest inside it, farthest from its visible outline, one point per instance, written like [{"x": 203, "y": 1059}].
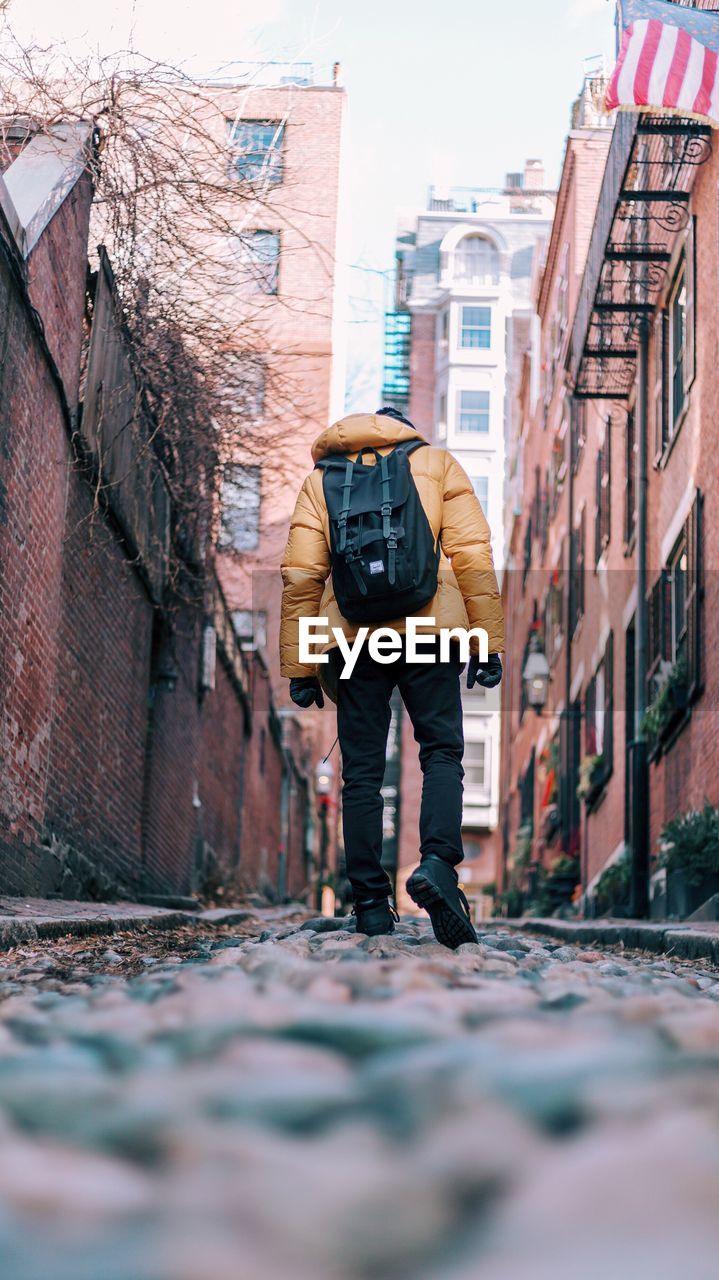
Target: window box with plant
[
  {"x": 591, "y": 778},
  {"x": 597, "y": 764},
  {"x": 669, "y": 705},
  {"x": 689, "y": 852},
  {"x": 674, "y": 678}
]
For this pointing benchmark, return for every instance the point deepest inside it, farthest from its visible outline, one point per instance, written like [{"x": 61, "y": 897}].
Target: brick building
[
  {"x": 537, "y": 513},
  {"x": 285, "y": 131},
  {"x": 612, "y": 544},
  {"x": 462, "y": 306},
  {"x": 129, "y": 714}
]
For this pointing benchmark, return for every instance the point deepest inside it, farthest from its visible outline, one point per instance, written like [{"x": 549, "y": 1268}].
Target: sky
[{"x": 439, "y": 91}]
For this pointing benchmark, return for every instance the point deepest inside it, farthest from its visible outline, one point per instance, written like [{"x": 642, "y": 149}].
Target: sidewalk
[
  {"x": 26, "y": 919},
  {"x": 671, "y": 937}
]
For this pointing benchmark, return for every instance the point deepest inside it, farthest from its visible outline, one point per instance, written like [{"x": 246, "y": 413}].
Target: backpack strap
[
  {"x": 409, "y": 446},
  {"x": 345, "y": 508}
]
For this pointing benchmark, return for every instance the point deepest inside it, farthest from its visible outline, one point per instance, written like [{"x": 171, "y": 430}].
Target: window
[
  {"x": 674, "y": 342},
  {"x": 543, "y": 525},
  {"x": 476, "y": 765},
  {"x": 630, "y": 479},
  {"x": 444, "y": 327},
  {"x": 578, "y": 432},
  {"x": 240, "y": 509},
  {"x": 576, "y": 580},
  {"x": 563, "y": 297},
  {"x": 474, "y": 411},
  {"x": 251, "y": 626},
  {"x": 602, "y": 527},
  {"x": 675, "y": 603},
  {"x": 554, "y": 615},
  {"x": 258, "y": 256},
  {"x": 243, "y": 393},
  {"x": 258, "y": 150},
  {"x": 557, "y": 472},
  {"x": 677, "y": 342},
  {"x": 599, "y": 714},
  {"x": 477, "y": 327},
  {"x": 480, "y": 484},
  {"x": 526, "y": 795},
  {"x": 661, "y": 416},
  {"x": 476, "y": 261},
  {"x": 527, "y": 558}
]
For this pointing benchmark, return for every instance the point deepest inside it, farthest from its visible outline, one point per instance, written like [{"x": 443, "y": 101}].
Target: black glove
[
  {"x": 488, "y": 674},
  {"x": 304, "y": 690}
]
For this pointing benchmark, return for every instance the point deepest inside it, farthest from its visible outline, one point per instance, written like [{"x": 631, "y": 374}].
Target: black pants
[{"x": 431, "y": 694}]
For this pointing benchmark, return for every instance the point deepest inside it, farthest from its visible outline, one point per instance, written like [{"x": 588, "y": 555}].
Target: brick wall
[{"x": 112, "y": 781}]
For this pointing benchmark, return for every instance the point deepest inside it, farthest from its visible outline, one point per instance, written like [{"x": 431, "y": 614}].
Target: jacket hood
[{"x": 362, "y": 431}]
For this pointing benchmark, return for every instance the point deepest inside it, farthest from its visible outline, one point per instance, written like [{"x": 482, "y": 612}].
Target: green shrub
[{"x": 690, "y": 844}]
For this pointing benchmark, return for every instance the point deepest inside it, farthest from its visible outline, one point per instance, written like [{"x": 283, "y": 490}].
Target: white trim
[
  {"x": 36, "y": 183},
  {"x": 485, "y": 231},
  {"x": 677, "y": 521},
  {"x": 599, "y": 652},
  {"x": 630, "y": 608},
  {"x": 577, "y": 682},
  {"x": 614, "y": 857}
]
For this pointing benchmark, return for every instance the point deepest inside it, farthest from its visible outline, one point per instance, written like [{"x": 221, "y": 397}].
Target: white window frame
[{"x": 477, "y": 413}]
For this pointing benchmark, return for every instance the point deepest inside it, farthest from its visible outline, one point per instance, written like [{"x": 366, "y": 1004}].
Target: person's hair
[{"x": 389, "y": 412}]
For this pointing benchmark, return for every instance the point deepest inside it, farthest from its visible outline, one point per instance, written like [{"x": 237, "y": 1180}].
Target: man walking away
[{"x": 386, "y": 522}]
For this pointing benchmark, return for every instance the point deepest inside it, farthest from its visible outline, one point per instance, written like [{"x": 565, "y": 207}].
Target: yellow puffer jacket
[{"x": 467, "y": 595}]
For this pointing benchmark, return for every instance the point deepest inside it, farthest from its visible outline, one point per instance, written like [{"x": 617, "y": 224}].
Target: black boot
[
  {"x": 435, "y": 888},
  {"x": 374, "y": 916}
]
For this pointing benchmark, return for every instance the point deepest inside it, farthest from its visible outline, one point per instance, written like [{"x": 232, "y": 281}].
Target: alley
[{"x": 286, "y": 1098}]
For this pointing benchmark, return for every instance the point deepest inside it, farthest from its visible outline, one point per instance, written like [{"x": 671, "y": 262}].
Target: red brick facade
[
  {"x": 112, "y": 780},
  {"x": 595, "y": 545}
]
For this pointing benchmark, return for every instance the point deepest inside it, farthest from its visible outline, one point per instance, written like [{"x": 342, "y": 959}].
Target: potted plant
[
  {"x": 591, "y": 778},
  {"x": 669, "y": 704},
  {"x": 689, "y": 851}
]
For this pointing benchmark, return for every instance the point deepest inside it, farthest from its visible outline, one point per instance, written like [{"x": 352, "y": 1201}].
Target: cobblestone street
[{"x": 285, "y": 1098}]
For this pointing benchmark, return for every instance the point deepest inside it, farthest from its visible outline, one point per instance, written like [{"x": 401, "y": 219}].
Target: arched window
[{"x": 476, "y": 261}]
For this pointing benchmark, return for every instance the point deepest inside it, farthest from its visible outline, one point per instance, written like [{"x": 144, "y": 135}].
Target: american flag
[{"x": 668, "y": 61}]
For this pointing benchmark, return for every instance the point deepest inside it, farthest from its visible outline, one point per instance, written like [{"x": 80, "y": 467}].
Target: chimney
[{"x": 534, "y": 175}]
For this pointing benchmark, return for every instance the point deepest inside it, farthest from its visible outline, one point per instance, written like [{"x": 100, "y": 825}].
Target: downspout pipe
[{"x": 640, "y": 766}]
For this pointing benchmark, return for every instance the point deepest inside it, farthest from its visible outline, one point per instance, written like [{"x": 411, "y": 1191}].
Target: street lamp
[
  {"x": 324, "y": 778},
  {"x": 536, "y": 675}
]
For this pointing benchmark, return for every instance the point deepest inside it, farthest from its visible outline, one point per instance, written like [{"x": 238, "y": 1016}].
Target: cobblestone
[{"x": 270, "y": 1095}]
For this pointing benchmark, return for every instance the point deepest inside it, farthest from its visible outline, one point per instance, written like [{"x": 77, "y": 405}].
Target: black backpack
[{"x": 384, "y": 556}]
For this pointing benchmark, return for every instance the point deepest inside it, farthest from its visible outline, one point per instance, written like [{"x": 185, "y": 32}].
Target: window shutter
[
  {"x": 598, "y": 514},
  {"x": 694, "y": 597},
  {"x": 690, "y": 278},
  {"x": 655, "y": 599},
  {"x": 582, "y": 559},
  {"x": 609, "y": 705},
  {"x": 659, "y": 385}
]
